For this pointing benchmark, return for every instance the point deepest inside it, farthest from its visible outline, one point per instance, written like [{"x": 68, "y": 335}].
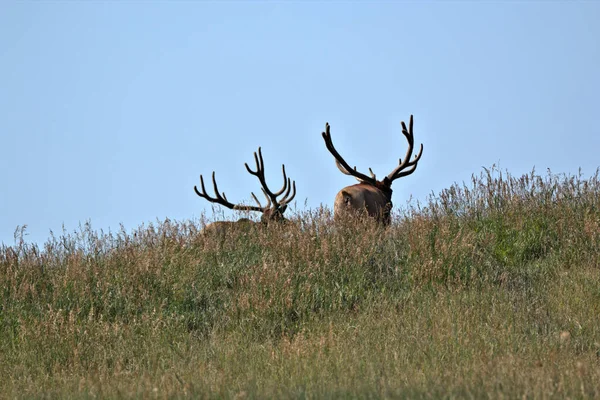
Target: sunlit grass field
[{"x": 490, "y": 290}]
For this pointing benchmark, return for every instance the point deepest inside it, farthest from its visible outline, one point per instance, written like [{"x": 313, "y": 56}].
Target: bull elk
[
  {"x": 271, "y": 212},
  {"x": 370, "y": 194}
]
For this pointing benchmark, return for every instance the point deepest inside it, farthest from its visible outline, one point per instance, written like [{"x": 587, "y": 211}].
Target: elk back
[
  {"x": 357, "y": 199},
  {"x": 220, "y": 228}
]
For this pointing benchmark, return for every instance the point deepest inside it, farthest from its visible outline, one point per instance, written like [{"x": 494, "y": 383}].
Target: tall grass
[{"x": 490, "y": 289}]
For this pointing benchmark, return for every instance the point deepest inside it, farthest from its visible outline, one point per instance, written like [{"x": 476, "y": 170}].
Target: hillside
[{"x": 491, "y": 289}]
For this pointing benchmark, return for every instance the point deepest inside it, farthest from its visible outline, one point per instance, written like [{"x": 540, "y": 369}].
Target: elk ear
[
  {"x": 282, "y": 208},
  {"x": 347, "y": 197}
]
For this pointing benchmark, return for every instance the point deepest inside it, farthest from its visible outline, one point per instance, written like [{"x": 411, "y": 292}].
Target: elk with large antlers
[
  {"x": 271, "y": 212},
  {"x": 370, "y": 194}
]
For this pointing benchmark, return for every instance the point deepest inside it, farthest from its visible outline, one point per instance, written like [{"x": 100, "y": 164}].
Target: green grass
[{"x": 490, "y": 290}]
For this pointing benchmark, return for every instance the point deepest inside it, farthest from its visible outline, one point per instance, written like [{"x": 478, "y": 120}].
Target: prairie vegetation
[{"x": 491, "y": 289}]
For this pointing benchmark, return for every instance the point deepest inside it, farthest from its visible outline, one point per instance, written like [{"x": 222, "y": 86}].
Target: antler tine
[
  {"x": 216, "y": 189},
  {"x": 341, "y": 168},
  {"x": 203, "y": 194},
  {"x": 407, "y": 166},
  {"x": 340, "y": 162},
  {"x": 221, "y": 199},
  {"x": 256, "y": 200},
  {"x": 412, "y": 165},
  {"x": 285, "y": 199},
  {"x": 257, "y": 172},
  {"x": 288, "y": 185},
  {"x": 260, "y": 168},
  {"x": 285, "y": 181},
  {"x": 260, "y": 163},
  {"x": 372, "y": 174},
  {"x": 260, "y": 174},
  {"x": 268, "y": 199}
]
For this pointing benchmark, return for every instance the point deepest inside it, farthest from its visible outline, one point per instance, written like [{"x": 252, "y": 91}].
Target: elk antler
[
  {"x": 342, "y": 164},
  {"x": 222, "y": 199},
  {"x": 406, "y": 167},
  {"x": 272, "y": 202},
  {"x": 271, "y": 197}
]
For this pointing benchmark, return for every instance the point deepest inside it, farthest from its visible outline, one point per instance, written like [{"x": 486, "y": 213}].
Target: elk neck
[{"x": 385, "y": 186}]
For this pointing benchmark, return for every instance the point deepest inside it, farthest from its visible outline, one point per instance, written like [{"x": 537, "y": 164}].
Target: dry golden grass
[{"x": 489, "y": 290}]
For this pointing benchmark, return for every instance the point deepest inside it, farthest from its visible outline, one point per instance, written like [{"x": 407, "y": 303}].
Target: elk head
[
  {"x": 272, "y": 211},
  {"x": 372, "y": 195}
]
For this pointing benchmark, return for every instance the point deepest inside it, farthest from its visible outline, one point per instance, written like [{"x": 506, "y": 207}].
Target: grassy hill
[{"x": 491, "y": 289}]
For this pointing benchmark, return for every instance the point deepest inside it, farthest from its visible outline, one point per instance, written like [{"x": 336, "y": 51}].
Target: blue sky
[{"x": 110, "y": 111}]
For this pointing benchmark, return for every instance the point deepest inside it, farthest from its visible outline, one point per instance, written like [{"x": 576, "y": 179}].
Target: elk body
[
  {"x": 222, "y": 227},
  {"x": 371, "y": 195},
  {"x": 271, "y": 212}
]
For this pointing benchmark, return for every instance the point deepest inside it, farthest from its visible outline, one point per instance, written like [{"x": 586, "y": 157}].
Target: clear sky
[{"x": 110, "y": 111}]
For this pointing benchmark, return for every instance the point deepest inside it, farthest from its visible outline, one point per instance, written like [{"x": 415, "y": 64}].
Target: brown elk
[
  {"x": 271, "y": 212},
  {"x": 370, "y": 194}
]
